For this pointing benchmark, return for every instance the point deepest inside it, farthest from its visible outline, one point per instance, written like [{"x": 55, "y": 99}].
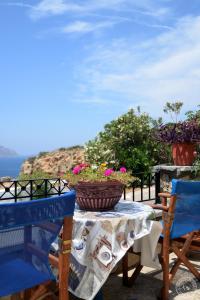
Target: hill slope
[{"x": 55, "y": 162}]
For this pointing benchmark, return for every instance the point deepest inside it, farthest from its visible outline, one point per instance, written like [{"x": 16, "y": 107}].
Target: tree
[
  {"x": 193, "y": 114},
  {"x": 174, "y": 109}
]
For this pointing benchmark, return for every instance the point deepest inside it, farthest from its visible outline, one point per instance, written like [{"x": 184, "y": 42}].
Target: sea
[{"x": 10, "y": 166}]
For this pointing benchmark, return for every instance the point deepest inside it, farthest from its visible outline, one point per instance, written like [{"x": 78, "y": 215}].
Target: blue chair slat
[
  {"x": 27, "y": 230},
  {"x": 187, "y": 211}
]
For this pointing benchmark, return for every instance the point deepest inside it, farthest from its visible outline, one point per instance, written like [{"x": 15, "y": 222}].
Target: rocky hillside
[
  {"x": 5, "y": 152},
  {"x": 54, "y": 162}
]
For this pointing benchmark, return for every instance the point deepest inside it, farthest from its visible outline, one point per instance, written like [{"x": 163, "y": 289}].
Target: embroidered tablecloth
[{"x": 100, "y": 240}]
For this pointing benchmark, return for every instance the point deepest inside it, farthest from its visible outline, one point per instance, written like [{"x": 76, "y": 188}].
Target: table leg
[{"x": 99, "y": 296}]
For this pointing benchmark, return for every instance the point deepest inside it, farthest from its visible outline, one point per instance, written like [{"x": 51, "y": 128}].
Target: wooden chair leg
[
  {"x": 165, "y": 267},
  {"x": 39, "y": 291},
  {"x": 23, "y": 295},
  {"x": 187, "y": 263},
  {"x": 64, "y": 259},
  {"x": 183, "y": 252},
  {"x": 27, "y": 294},
  {"x": 174, "y": 269},
  {"x": 165, "y": 288},
  {"x": 63, "y": 291}
]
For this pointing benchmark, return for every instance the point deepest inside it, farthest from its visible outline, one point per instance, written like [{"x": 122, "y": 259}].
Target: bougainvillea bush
[
  {"x": 96, "y": 173},
  {"x": 181, "y": 132}
]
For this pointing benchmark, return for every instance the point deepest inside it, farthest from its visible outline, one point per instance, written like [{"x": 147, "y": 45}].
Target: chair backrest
[
  {"x": 187, "y": 209},
  {"x": 27, "y": 230}
]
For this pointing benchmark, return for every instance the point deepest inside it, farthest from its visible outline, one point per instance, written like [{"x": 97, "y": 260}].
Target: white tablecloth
[{"x": 100, "y": 240}]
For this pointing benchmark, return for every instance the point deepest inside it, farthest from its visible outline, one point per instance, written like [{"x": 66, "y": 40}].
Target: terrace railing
[
  {"x": 32, "y": 189},
  {"x": 145, "y": 188}
]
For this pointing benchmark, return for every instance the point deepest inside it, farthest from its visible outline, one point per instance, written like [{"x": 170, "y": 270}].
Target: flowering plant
[
  {"x": 181, "y": 132},
  {"x": 95, "y": 173}
]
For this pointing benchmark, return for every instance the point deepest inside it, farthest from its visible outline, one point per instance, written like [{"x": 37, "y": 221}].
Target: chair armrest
[
  {"x": 165, "y": 195},
  {"x": 159, "y": 206}
]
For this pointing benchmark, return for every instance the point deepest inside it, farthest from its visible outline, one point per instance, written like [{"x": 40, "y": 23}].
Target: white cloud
[
  {"x": 58, "y": 7},
  {"x": 85, "y": 27},
  {"x": 163, "y": 68},
  {"x": 116, "y": 10},
  {"x": 52, "y": 7}
]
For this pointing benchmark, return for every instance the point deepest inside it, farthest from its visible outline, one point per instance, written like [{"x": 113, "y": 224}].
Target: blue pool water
[{"x": 10, "y": 166}]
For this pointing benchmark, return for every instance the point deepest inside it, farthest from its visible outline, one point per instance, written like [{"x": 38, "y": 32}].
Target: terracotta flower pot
[
  {"x": 183, "y": 154},
  {"x": 98, "y": 196}
]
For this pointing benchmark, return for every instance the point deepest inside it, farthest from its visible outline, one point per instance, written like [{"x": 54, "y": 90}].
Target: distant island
[{"x": 6, "y": 152}]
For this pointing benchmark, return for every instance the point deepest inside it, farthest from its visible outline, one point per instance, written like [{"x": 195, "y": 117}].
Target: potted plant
[
  {"x": 97, "y": 187},
  {"x": 183, "y": 136}
]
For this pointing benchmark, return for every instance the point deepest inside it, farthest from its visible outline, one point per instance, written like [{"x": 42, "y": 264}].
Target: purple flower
[
  {"x": 108, "y": 172},
  {"x": 182, "y": 132},
  {"x": 122, "y": 170}
]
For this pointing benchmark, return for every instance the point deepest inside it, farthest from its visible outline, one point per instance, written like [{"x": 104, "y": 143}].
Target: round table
[{"x": 100, "y": 240}]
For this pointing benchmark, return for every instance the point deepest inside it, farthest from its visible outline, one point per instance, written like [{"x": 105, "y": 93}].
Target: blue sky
[{"x": 69, "y": 67}]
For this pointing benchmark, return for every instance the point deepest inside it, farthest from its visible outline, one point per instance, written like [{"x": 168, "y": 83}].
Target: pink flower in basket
[
  {"x": 108, "y": 172},
  {"x": 83, "y": 166},
  {"x": 97, "y": 173},
  {"x": 122, "y": 170},
  {"x": 76, "y": 170}
]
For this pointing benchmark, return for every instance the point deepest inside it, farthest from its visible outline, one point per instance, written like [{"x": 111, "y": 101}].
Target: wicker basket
[{"x": 98, "y": 196}]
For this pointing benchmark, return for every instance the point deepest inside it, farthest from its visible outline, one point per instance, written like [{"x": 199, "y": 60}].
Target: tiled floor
[{"x": 148, "y": 284}]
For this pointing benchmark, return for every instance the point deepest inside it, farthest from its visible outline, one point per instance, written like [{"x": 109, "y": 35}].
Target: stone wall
[{"x": 167, "y": 173}]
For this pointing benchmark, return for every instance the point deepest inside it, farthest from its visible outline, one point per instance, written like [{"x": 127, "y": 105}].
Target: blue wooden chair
[
  {"x": 27, "y": 230},
  {"x": 181, "y": 223}
]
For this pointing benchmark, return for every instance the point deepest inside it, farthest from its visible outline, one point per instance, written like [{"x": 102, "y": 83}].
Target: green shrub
[
  {"x": 70, "y": 148},
  {"x": 39, "y": 174},
  {"x": 38, "y": 185},
  {"x": 43, "y": 153},
  {"x": 62, "y": 149},
  {"x": 31, "y": 159},
  {"x": 128, "y": 141}
]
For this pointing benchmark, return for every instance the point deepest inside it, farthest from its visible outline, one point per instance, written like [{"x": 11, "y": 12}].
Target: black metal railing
[
  {"x": 145, "y": 188},
  {"x": 32, "y": 189}
]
